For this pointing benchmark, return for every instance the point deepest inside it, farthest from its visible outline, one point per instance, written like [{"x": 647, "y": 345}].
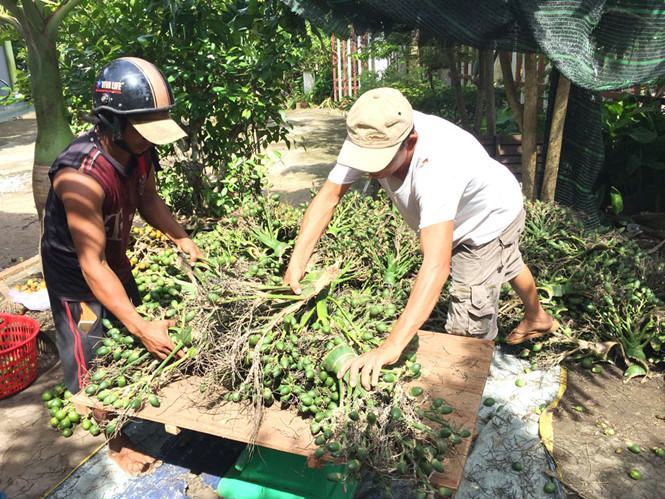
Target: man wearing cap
[
  {"x": 97, "y": 184},
  {"x": 466, "y": 207}
]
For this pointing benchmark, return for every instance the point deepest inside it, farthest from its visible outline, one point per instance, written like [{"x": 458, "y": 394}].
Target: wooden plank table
[{"x": 453, "y": 367}]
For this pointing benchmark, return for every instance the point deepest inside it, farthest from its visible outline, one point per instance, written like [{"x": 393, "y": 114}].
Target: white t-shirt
[{"x": 451, "y": 177}]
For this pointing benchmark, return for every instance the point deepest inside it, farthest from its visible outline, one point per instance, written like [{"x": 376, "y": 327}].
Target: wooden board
[{"x": 453, "y": 367}]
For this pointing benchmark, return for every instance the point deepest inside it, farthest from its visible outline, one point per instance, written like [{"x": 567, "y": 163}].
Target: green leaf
[
  {"x": 643, "y": 135},
  {"x": 616, "y": 200},
  {"x": 634, "y": 371},
  {"x": 635, "y": 352}
]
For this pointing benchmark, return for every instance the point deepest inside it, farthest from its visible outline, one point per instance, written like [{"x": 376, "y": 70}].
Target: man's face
[
  {"x": 401, "y": 157},
  {"x": 135, "y": 141}
]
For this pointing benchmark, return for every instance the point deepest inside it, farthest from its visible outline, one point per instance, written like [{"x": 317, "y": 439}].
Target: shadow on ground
[
  {"x": 325, "y": 135},
  {"x": 19, "y": 237},
  {"x": 18, "y": 132}
]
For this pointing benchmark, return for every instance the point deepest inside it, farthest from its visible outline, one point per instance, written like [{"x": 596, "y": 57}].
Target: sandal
[{"x": 516, "y": 337}]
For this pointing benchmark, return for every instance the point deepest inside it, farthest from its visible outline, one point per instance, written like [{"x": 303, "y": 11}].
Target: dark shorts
[
  {"x": 77, "y": 345},
  {"x": 477, "y": 273}
]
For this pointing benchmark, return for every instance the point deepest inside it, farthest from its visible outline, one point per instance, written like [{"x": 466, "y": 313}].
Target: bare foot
[
  {"x": 128, "y": 459},
  {"x": 529, "y": 329}
]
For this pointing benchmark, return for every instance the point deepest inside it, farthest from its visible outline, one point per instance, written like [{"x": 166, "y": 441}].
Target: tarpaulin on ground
[{"x": 597, "y": 44}]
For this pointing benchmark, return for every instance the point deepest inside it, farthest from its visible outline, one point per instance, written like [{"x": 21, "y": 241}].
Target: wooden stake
[
  {"x": 556, "y": 134},
  {"x": 413, "y": 59},
  {"x": 530, "y": 127}
]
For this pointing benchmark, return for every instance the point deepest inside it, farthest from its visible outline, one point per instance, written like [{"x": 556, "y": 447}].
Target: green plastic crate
[{"x": 271, "y": 474}]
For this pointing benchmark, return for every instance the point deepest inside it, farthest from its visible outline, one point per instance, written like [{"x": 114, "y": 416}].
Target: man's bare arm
[
  {"x": 316, "y": 219},
  {"x": 436, "y": 245},
  {"x": 154, "y": 210},
  {"x": 82, "y": 197}
]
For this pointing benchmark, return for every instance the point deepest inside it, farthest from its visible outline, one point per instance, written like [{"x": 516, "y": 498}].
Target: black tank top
[{"x": 123, "y": 188}]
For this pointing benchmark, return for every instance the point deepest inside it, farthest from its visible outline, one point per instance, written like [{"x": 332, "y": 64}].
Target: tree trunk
[
  {"x": 529, "y": 156},
  {"x": 413, "y": 59},
  {"x": 556, "y": 134},
  {"x": 516, "y": 106},
  {"x": 11, "y": 64},
  {"x": 53, "y": 131},
  {"x": 456, "y": 83}
]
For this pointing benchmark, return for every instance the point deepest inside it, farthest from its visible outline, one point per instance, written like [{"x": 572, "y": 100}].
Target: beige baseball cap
[
  {"x": 377, "y": 124},
  {"x": 158, "y": 128}
]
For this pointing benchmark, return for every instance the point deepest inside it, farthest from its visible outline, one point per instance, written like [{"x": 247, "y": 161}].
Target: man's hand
[
  {"x": 186, "y": 245},
  {"x": 369, "y": 365},
  {"x": 314, "y": 223},
  {"x": 155, "y": 337},
  {"x": 292, "y": 276}
]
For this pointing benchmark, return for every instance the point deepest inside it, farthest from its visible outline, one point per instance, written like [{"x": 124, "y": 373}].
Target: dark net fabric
[
  {"x": 597, "y": 44},
  {"x": 582, "y": 154}
]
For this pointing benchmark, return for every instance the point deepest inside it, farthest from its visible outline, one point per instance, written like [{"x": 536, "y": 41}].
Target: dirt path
[
  {"x": 597, "y": 419},
  {"x": 33, "y": 456}
]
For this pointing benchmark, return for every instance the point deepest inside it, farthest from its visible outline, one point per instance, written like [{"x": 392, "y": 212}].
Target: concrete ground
[
  {"x": 19, "y": 226},
  {"x": 316, "y": 136}
]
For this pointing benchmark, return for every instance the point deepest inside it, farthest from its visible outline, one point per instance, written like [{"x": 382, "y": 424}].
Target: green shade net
[{"x": 598, "y": 45}]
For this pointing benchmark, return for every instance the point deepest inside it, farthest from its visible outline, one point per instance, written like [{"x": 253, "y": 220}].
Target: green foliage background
[
  {"x": 228, "y": 62},
  {"x": 634, "y": 134}
]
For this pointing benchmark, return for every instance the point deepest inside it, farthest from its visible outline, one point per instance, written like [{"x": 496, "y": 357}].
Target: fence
[
  {"x": 347, "y": 68},
  {"x": 348, "y": 65}
]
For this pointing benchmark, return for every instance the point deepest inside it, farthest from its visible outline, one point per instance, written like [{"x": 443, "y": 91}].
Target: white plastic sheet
[
  {"x": 37, "y": 301},
  {"x": 508, "y": 433}
]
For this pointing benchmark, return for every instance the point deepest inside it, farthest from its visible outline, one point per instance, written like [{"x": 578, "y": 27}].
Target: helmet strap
[{"x": 117, "y": 126}]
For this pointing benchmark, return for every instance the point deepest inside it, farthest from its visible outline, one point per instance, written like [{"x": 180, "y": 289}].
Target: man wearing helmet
[{"x": 97, "y": 184}]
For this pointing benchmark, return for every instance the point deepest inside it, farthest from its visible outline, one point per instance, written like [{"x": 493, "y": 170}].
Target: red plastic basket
[{"x": 18, "y": 353}]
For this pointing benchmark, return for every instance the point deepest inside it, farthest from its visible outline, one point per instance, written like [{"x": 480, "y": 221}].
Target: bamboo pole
[
  {"x": 516, "y": 106},
  {"x": 530, "y": 127},
  {"x": 333, "y": 50},
  {"x": 555, "y": 139}
]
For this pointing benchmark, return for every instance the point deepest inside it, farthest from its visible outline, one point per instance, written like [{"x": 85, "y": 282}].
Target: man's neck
[
  {"x": 403, "y": 170},
  {"x": 116, "y": 152}
]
